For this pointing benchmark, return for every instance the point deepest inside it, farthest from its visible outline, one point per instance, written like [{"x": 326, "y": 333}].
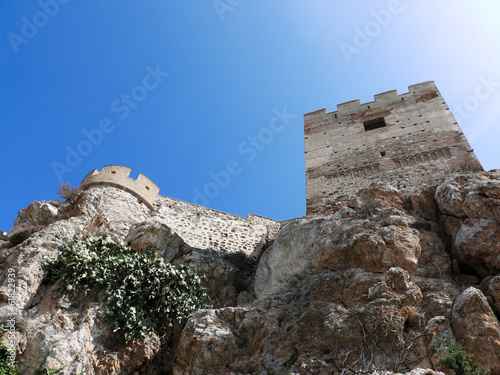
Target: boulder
[
  {"x": 476, "y": 244},
  {"x": 490, "y": 286},
  {"x": 450, "y": 198},
  {"x": 289, "y": 255},
  {"x": 476, "y": 327},
  {"x": 40, "y": 213},
  {"x": 156, "y": 235}
]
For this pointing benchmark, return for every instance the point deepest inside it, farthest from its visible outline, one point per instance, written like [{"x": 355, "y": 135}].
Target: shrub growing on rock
[
  {"x": 6, "y": 367},
  {"x": 458, "y": 359},
  {"x": 143, "y": 292},
  {"x": 67, "y": 192}
]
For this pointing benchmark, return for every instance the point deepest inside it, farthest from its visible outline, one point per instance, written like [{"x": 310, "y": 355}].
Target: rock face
[
  {"x": 153, "y": 234},
  {"x": 368, "y": 289},
  {"x": 470, "y": 212},
  {"x": 38, "y": 214},
  {"x": 475, "y": 324}
]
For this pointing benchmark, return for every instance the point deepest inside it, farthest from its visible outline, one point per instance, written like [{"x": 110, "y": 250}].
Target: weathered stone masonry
[
  {"x": 199, "y": 226},
  {"x": 118, "y": 176},
  {"x": 404, "y": 140},
  {"x": 205, "y": 228}
]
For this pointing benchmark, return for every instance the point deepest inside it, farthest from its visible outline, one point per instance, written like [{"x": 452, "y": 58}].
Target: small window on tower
[{"x": 374, "y": 124}]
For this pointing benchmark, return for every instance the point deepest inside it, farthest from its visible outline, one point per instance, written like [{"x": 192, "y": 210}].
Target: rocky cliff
[{"x": 368, "y": 289}]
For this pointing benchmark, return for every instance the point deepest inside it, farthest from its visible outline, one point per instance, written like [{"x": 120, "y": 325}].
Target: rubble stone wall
[{"x": 205, "y": 228}]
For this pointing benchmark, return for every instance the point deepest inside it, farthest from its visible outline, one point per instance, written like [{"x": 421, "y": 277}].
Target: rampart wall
[
  {"x": 118, "y": 176},
  {"x": 200, "y": 227},
  {"x": 205, "y": 228},
  {"x": 404, "y": 140}
]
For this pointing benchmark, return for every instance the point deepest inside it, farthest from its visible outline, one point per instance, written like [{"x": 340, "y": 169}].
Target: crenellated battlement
[
  {"x": 118, "y": 176},
  {"x": 394, "y": 139},
  {"x": 417, "y": 92},
  {"x": 201, "y": 227}
]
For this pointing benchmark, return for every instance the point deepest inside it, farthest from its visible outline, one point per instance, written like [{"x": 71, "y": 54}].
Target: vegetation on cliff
[
  {"x": 142, "y": 291},
  {"x": 458, "y": 359}
]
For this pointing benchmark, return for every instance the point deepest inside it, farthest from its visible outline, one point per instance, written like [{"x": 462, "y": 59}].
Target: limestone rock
[
  {"x": 476, "y": 327},
  {"x": 209, "y": 341},
  {"x": 424, "y": 204},
  {"x": 490, "y": 286},
  {"x": 438, "y": 296},
  {"x": 381, "y": 196},
  {"x": 376, "y": 249},
  {"x": 289, "y": 255},
  {"x": 325, "y": 318},
  {"x": 153, "y": 234},
  {"x": 417, "y": 371},
  {"x": 437, "y": 327},
  {"x": 387, "y": 238},
  {"x": 38, "y": 214},
  {"x": 477, "y": 244},
  {"x": 367, "y": 289},
  {"x": 470, "y": 210},
  {"x": 450, "y": 198},
  {"x": 490, "y": 188},
  {"x": 221, "y": 278}
]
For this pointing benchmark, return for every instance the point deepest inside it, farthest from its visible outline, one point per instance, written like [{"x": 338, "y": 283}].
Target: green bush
[
  {"x": 6, "y": 368},
  {"x": 143, "y": 292},
  {"x": 458, "y": 359}
]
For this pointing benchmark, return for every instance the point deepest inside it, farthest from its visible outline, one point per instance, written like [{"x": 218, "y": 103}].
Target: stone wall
[
  {"x": 118, "y": 176},
  {"x": 205, "y": 228},
  {"x": 404, "y": 140},
  {"x": 200, "y": 227}
]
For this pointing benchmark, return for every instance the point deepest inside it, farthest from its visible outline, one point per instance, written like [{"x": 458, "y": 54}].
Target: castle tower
[{"x": 403, "y": 140}]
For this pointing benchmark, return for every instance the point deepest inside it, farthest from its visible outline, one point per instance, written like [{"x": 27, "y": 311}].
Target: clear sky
[{"x": 187, "y": 91}]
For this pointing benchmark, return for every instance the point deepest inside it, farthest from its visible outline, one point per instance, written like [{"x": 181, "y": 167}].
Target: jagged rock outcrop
[
  {"x": 368, "y": 289},
  {"x": 154, "y": 234},
  {"x": 470, "y": 212},
  {"x": 39, "y": 214}
]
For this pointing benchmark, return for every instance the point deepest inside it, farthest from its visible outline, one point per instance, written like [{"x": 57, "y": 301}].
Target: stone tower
[{"x": 404, "y": 140}]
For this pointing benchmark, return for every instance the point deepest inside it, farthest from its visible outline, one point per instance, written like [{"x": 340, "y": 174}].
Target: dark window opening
[
  {"x": 374, "y": 124},
  {"x": 382, "y": 153},
  {"x": 113, "y": 172}
]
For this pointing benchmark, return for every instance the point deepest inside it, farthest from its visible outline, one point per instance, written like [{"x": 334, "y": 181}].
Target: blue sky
[{"x": 183, "y": 91}]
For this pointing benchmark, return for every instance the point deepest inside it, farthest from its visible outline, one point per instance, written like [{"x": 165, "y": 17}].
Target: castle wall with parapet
[
  {"x": 118, "y": 176},
  {"x": 420, "y": 143},
  {"x": 200, "y": 227}
]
